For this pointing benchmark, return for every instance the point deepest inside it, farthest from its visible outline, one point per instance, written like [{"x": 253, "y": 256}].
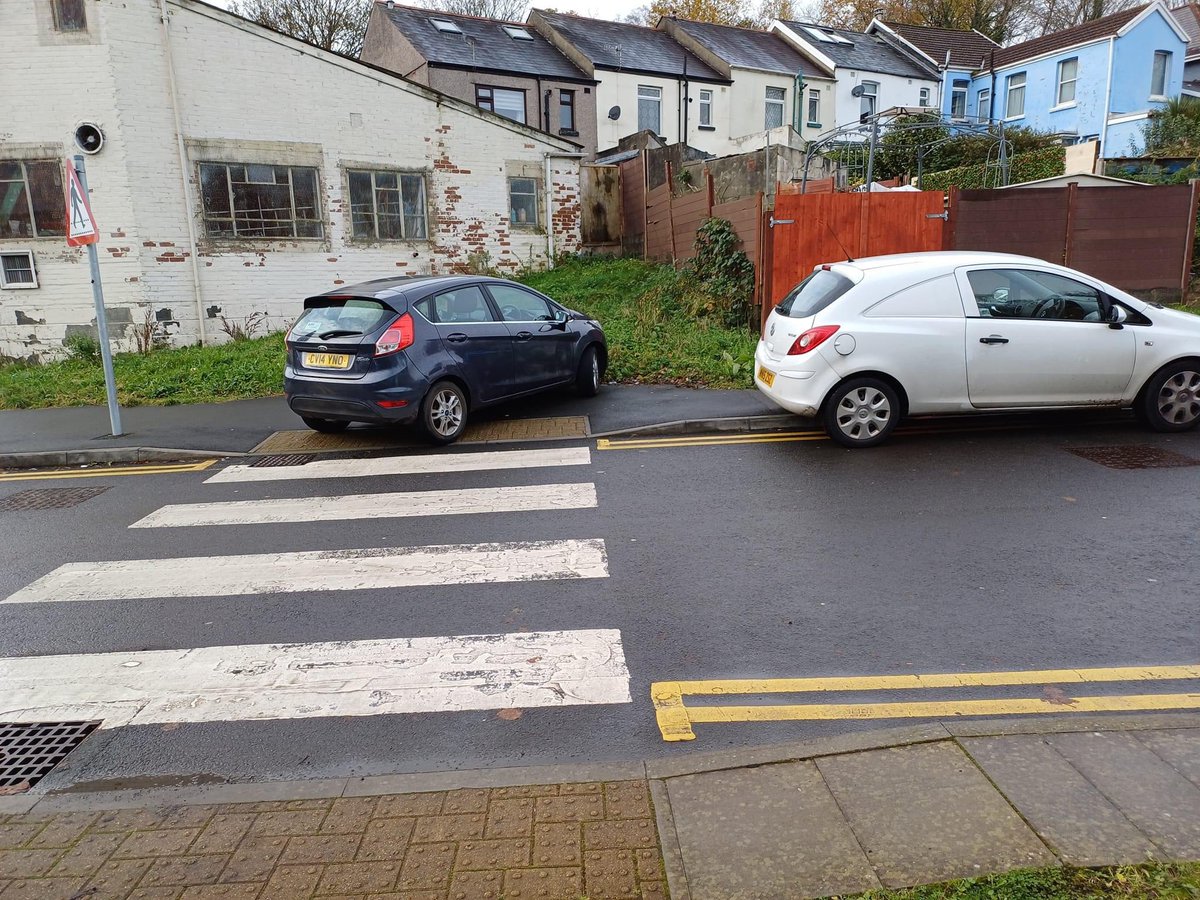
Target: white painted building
[{"x": 242, "y": 171}]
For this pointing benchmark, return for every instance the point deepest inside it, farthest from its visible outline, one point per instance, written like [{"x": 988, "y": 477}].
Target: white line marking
[
  {"x": 340, "y": 678},
  {"x": 319, "y": 570},
  {"x": 410, "y": 465},
  {"x": 374, "y": 506}
]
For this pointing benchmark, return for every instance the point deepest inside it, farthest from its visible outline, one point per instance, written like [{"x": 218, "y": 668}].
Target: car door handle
[
  {"x": 993, "y": 340},
  {"x": 457, "y": 338},
  {"x": 522, "y": 336}
]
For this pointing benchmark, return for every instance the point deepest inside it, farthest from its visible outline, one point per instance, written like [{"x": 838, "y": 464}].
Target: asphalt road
[{"x": 940, "y": 552}]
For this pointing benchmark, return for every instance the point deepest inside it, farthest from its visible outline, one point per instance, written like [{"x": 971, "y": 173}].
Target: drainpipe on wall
[
  {"x": 549, "y": 192},
  {"x": 1107, "y": 101},
  {"x": 798, "y": 102},
  {"x": 183, "y": 172},
  {"x": 992, "y": 92}
]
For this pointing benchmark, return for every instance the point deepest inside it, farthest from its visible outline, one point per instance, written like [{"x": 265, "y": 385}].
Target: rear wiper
[{"x": 337, "y": 332}]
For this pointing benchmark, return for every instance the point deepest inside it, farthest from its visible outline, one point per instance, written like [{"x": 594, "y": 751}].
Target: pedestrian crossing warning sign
[{"x": 81, "y": 224}]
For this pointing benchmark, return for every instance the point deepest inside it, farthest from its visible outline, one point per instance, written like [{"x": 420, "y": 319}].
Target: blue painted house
[
  {"x": 1097, "y": 81},
  {"x": 955, "y": 55}
]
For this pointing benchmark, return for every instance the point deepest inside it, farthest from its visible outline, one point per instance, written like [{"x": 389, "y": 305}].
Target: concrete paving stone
[
  {"x": 320, "y": 849},
  {"x": 27, "y": 863},
  {"x": 476, "y": 885},
  {"x": 466, "y": 800},
  {"x": 221, "y": 892},
  {"x": 611, "y": 874},
  {"x": 127, "y": 820},
  {"x": 288, "y": 822},
  {"x": 63, "y": 830},
  {"x": 627, "y": 800},
  {"x": 223, "y": 833},
  {"x": 524, "y": 790},
  {"x": 292, "y": 883},
  {"x": 349, "y": 814},
  {"x": 140, "y": 844},
  {"x": 187, "y": 816},
  {"x": 87, "y": 856},
  {"x": 254, "y": 859},
  {"x": 310, "y": 803},
  {"x": 409, "y": 895},
  {"x": 185, "y": 871},
  {"x": 359, "y": 878},
  {"x": 1163, "y": 804},
  {"x": 509, "y": 818},
  {"x": 502, "y": 854},
  {"x": 118, "y": 877},
  {"x": 586, "y": 787},
  {"x": 925, "y": 813},
  {"x": 1180, "y": 748},
  {"x": 649, "y": 865},
  {"x": 14, "y": 836},
  {"x": 43, "y": 889},
  {"x": 260, "y": 806},
  {"x": 432, "y": 829},
  {"x": 426, "y": 867},
  {"x": 410, "y": 805},
  {"x": 543, "y": 884},
  {"x": 653, "y": 890},
  {"x": 768, "y": 832},
  {"x": 155, "y": 893},
  {"x": 626, "y": 834},
  {"x": 582, "y": 808},
  {"x": 559, "y": 844},
  {"x": 386, "y": 839},
  {"x": 1062, "y": 806}
]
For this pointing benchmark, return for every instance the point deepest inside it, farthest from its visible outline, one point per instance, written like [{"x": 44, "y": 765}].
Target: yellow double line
[
  {"x": 55, "y": 474},
  {"x": 675, "y": 720}
]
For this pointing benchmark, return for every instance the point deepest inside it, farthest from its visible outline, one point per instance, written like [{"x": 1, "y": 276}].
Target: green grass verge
[
  {"x": 651, "y": 340},
  {"x": 1153, "y": 881}
]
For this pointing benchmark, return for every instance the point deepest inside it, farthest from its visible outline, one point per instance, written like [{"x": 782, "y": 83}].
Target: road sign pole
[{"x": 110, "y": 381}]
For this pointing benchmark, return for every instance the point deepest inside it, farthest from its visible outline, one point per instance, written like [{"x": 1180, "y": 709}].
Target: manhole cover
[
  {"x": 28, "y": 751},
  {"x": 1135, "y": 457},
  {"x": 50, "y": 498},
  {"x": 285, "y": 459}
]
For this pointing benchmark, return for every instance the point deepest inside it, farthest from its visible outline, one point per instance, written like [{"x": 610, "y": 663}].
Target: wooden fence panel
[
  {"x": 1027, "y": 221},
  {"x": 658, "y": 223},
  {"x": 688, "y": 214},
  {"x": 600, "y": 202},
  {"x": 633, "y": 206}
]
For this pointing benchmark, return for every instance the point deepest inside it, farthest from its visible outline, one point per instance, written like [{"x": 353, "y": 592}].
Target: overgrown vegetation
[
  {"x": 720, "y": 277},
  {"x": 1044, "y": 163},
  {"x": 1153, "y": 881},
  {"x": 1173, "y": 130}
]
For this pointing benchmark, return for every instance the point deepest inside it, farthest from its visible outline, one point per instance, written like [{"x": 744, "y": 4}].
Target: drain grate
[
  {"x": 283, "y": 459},
  {"x": 28, "y": 751},
  {"x": 1134, "y": 456},
  {"x": 50, "y": 498}
]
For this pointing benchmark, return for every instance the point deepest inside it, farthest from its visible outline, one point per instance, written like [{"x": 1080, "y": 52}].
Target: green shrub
[
  {"x": 1044, "y": 163},
  {"x": 721, "y": 276},
  {"x": 82, "y": 346}
]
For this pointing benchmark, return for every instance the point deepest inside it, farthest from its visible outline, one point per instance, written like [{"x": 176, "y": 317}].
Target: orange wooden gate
[{"x": 810, "y": 229}]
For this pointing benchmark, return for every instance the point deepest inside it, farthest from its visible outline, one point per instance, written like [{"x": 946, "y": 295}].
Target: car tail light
[
  {"x": 811, "y": 339},
  {"x": 399, "y": 335}
]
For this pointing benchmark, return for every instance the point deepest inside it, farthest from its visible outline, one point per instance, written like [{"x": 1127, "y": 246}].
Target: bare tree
[
  {"x": 337, "y": 25},
  {"x": 508, "y": 10},
  {"x": 1054, "y": 15}
]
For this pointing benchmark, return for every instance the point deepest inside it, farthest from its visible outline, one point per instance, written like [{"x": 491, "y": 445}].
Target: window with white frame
[
  {"x": 31, "y": 198},
  {"x": 1015, "y": 107},
  {"x": 1068, "y": 73},
  {"x": 249, "y": 200},
  {"x": 775, "y": 103},
  {"x": 523, "y": 201},
  {"x": 17, "y": 270},
  {"x": 958, "y": 99},
  {"x": 706, "y": 101},
  {"x": 869, "y": 99},
  {"x": 502, "y": 101},
  {"x": 983, "y": 105},
  {"x": 814, "y": 106},
  {"x": 649, "y": 99},
  {"x": 1158, "y": 77},
  {"x": 69, "y": 15},
  {"x": 923, "y": 97},
  {"x": 387, "y": 206}
]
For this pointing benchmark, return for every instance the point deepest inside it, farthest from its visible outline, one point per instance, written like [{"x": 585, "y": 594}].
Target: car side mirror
[{"x": 1117, "y": 315}]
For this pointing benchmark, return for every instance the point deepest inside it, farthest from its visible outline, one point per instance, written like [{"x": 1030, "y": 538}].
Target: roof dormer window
[
  {"x": 517, "y": 33},
  {"x": 446, "y": 26}
]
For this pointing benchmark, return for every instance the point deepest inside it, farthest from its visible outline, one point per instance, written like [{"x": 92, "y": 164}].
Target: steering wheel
[
  {"x": 1049, "y": 308},
  {"x": 511, "y": 313}
]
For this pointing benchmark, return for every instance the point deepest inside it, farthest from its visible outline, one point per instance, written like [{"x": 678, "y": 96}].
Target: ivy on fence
[{"x": 1044, "y": 163}]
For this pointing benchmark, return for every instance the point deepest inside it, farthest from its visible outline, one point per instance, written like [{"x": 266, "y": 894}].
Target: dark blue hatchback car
[{"x": 433, "y": 349}]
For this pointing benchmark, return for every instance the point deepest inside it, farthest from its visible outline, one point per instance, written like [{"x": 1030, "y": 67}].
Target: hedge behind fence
[{"x": 1044, "y": 163}]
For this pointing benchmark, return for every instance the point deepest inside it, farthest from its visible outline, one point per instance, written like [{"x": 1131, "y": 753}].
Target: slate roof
[
  {"x": 966, "y": 48},
  {"x": 641, "y": 49},
  {"x": 865, "y": 52},
  {"x": 746, "y": 48},
  {"x": 1068, "y": 37},
  {"x": 1188, "y": 17},
  {"x": 483, "y": 44}
]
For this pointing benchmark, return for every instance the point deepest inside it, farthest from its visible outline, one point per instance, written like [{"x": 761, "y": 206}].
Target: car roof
[
  {"x": 407, "y": 285},
  {"x": 945, "y": 260}
]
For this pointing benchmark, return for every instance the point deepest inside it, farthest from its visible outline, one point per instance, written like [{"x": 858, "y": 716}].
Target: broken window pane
[
  {"x": 69, "y": 15},
  {"x": 31, "y": 199},
  {"x": 388, "y": 206},
  {"x": 267, "y": 201},
  {"x": 414, "y": 206},
  {"x": 362, "y": 206}
]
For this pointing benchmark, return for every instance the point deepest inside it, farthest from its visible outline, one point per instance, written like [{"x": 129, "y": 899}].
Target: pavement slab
[
  {"x": 1180, "y": 748},
  {"x": 1069, "y": 814},
  {"x": 1163, "y": 804},
  {"x": 925, "y": 814},
  {"x": 765, "y": 833}
]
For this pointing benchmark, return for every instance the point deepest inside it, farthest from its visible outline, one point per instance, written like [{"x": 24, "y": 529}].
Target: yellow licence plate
[
  {"x": 327, "y": 360},
  {"x": 766, "y": 376}
]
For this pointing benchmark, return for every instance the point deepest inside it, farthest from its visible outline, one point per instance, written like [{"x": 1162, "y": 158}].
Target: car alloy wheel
[
  {"x": 1179, "y": 398},
  {"x": 446, "y": 412}
]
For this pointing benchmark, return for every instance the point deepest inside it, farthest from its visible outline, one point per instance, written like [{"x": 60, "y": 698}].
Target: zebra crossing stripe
[
  {"x": 522, "y": 498},
  {"x": 409, "y": 465},
  {"x": 338, "y": 678},
  {"x": 319, "y": 570}
]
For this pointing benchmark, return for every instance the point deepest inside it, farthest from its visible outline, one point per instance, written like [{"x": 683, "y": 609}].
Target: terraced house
[{"x": 235, "y": 171}]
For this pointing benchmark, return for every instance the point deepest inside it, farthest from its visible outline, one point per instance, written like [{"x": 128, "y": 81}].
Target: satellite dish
[
  {"x": 614, "y": 113},
  {"x": 89, "y": 138},
  {"x": 856, "y": 91}
]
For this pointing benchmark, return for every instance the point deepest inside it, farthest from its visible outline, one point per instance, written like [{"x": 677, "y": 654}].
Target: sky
[{"x": 597, "y": 9}]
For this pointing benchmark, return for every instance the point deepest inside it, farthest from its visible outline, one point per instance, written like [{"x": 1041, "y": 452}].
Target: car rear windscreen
[
  {"x": 341, "y": 317},
  {"x": 813, "y": 294}
]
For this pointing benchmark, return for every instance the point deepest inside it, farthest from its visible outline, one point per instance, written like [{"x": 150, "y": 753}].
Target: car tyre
[
  {"x": 444, "y": 413},
  {"x": 326, "y": 426},
  {"x": 861, "y": 412},
  {"x": 587, "y": 379},
  {"x": 1170, "y": 401}
]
